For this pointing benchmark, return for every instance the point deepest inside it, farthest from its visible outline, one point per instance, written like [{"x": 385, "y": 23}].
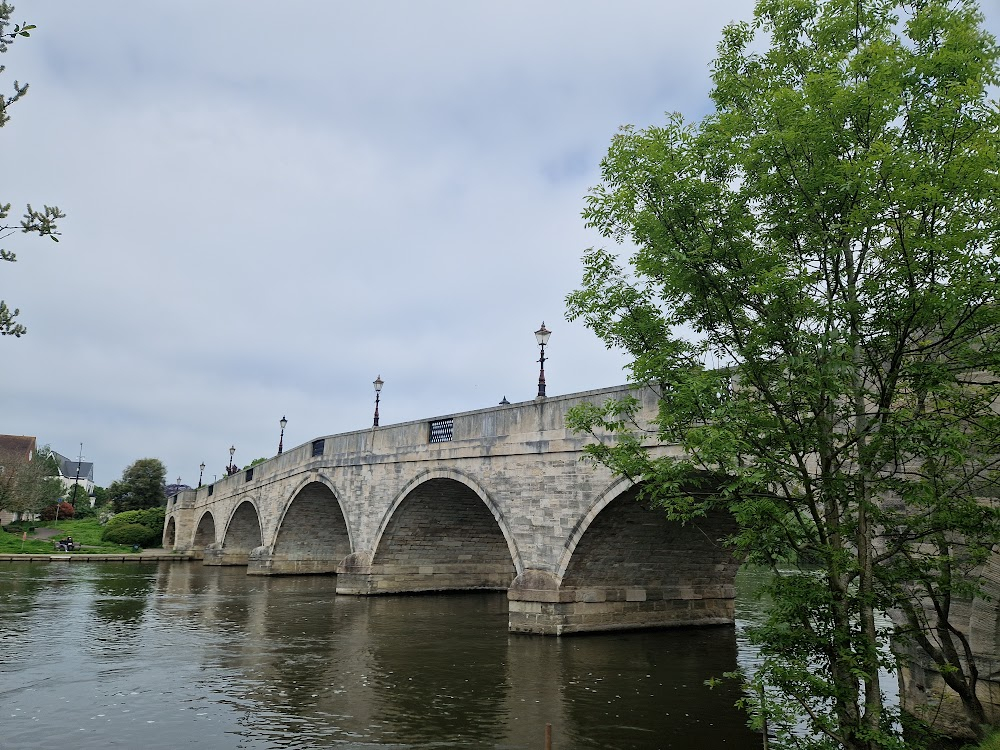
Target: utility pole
[{"x": 76, "y": 482}]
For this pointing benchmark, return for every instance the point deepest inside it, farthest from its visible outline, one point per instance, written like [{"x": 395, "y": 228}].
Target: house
[{"x": 71, "y": 468}]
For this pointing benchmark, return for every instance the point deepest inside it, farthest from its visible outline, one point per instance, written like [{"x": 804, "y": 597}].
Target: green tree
[
  {"x": 33, "y": 221},
  {"x": 100, "y": 497},
  {"x": 27, "y": 486},
  {"x": 143, "y": 485},
  {"x": 813, "y": 298},
  {"x": 76, "y": 495}
]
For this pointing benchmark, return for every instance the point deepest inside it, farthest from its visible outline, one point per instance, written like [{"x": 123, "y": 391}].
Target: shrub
[
  {"x": 49, "y": 512},
  {"x": 83, "y": 510},
  {"x": 120, "y": 527},
  {"x": 126, "y": 517},
  {"x": 151, "y": 518},
  {"x": 131, "y": 533}
]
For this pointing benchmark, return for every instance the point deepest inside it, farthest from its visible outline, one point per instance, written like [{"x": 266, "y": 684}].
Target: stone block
[{"x": 635, "y": 595}]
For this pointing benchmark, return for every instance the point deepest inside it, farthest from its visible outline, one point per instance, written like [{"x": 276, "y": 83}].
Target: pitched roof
[
  {"x": 17, "y": 445},
  {"x": 67, "y": 467}
]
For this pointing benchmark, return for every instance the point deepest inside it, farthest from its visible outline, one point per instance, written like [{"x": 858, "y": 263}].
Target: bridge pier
[
  {"x": 264, "y": 562},
  {"x": 216, "y": 555},
  {"x": 357, "y": 576},
  {"x": 539, "y": 605}
]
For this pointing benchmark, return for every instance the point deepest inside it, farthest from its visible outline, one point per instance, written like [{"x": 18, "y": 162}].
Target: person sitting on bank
[{"x": 63, "y": 544}]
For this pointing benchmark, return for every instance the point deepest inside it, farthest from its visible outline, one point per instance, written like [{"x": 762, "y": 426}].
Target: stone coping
[{"x": 86, "y": 557}]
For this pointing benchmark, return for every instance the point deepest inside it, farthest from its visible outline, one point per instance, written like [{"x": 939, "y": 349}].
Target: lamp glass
[
  {"x": 202, "y": 467},
  {"x": 378, "y": 384},
  {"x": 542, "y": 335},
  {"x": 232, "y": 450},
  {"x": 283, "y": 423}
]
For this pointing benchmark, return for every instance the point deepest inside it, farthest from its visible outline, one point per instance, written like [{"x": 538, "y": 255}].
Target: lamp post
[
  {"x": 281, "y": 440},
  {"x": 230, "y": 469},
  {"x": 201, "y": 472},
  {"x": 542, "y": 337},
  {"x": 378, "y": 389}
]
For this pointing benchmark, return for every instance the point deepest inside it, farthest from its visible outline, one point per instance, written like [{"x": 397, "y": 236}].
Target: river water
[{"x": 177, "y": 655}]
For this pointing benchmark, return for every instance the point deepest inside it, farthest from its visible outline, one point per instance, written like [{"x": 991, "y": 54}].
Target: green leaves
[
  {"x": 44, "y": 222},
  {"x": 829, "y": 237}
]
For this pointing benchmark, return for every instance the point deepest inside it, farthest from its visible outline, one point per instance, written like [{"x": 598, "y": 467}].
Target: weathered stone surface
[{"x": 506, "y": 504}]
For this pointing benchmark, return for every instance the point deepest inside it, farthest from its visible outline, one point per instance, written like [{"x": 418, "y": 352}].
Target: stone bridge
[{"x": 497, "y": 498}]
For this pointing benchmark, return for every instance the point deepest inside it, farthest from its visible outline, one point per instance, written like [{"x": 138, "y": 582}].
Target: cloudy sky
[{"x": 270, "y": 204}]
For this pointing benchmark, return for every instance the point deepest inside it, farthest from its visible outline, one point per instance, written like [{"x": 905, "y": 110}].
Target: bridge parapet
[{"x": 494, "y": 498}]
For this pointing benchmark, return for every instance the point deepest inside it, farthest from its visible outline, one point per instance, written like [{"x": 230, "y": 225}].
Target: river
[{"x": 174, "y": 655}]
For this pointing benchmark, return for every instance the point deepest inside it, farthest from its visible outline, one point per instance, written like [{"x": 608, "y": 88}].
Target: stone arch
[
  {"x": 204, "y": 535},
  {"x": 313, "y": 533},
  {"x": 634, "y": 567},
  {"x": 170, "y": 534},
  {"x": 443, "y": 532},
  {"x": 475, "y": 487},
  {"x": 242, "y": 535},
  {"x": 611, "y": 493}
]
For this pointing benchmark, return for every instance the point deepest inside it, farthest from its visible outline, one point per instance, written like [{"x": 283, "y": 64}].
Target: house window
[
  {"x": 441, "y": 430},
  {"x": 318, "y": 446},
  {"x": 249, "y": 475}
]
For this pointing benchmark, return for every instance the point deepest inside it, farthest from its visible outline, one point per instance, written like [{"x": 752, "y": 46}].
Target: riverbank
[{"x": 146, "y": 555}]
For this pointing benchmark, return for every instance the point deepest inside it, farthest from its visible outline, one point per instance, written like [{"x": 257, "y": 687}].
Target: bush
[
  {"x": 83, "y": 510},
  {"x": 131, "y": 533},
  {"x": 151, "y": 518},
  {"x": 122, "y": 528},
  {"x": 128, "y": 516},
  {"x": 49, "y": 512}
]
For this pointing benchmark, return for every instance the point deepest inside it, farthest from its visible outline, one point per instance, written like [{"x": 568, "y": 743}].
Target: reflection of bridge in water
[
  {"x": 490, "y": 499},
  {"x": 435, "y": 671}
]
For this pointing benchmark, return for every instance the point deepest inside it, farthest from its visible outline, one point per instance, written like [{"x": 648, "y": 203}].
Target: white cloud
[{"x": 271, "y": 204}]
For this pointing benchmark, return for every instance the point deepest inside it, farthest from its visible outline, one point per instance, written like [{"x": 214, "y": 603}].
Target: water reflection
[
  {"x": 440, "y": 663},
  {"x": 121, "y": 595},
  {"x": 211, "y": 657}
]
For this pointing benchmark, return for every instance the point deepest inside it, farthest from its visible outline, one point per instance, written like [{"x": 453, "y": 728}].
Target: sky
[{"x": 271, "y": 204}]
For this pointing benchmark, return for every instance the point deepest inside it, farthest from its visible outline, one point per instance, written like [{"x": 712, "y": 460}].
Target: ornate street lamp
[
  {"x": 281, "y": 440},
  {"x": 201, "y": 472},
  {"x": 378, "y": 389},
  {"x": 542, "y": 337},
  {"x": 232, "y": 451}
]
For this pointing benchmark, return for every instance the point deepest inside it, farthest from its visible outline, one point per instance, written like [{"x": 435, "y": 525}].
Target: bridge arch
[
  {"x": 443, "y": 531},
  {"x": 243, "y": 534},
  {"x": 170, "y": 534},
  {"x": 610, "y": 494},
  {"x": 314, "y": 532},
  {"x": 204, "y": 534},
  {"x": 626, "y": 565}
]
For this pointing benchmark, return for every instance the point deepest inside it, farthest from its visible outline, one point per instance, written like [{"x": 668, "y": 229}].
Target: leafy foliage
[
  {"x": 131, "y": 533},
  {"x": 143, "y": 485},
  {"x": 34, "y": 221},
  {"x": 76, "y": 495},
  {"x": 26, "y": 486},
  {"x": 56, "y": 511},
  {"x": 122, "y": 528},
  {"x": 813, "y": 299}
]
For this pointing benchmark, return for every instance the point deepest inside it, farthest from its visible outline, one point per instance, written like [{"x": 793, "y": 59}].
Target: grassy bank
[
  {"x": 85, "y": 531},
  {"x": 990, "y": 743}
]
